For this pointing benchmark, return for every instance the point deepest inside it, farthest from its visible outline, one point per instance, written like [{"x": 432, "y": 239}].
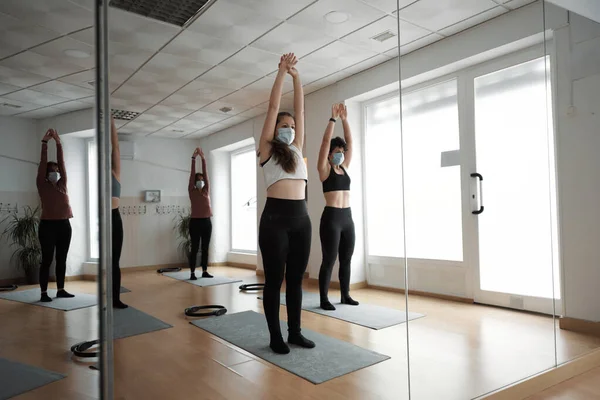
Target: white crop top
[{"x": 274, "y": 173}]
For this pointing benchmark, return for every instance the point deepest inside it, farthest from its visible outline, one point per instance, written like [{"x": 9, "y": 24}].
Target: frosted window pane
[{"x": 243, "y": 201}]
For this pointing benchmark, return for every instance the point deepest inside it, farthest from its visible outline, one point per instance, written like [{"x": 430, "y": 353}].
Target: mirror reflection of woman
[
  {"x": 54, "y": 231},
  {"x": 200, "y": 223},
  {"x": 117, "y": 222},
  {"x": 285, "y": 230},
  {"x": 337, "y": 227}
]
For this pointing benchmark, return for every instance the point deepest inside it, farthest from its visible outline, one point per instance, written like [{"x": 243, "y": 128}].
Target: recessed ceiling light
[
  {"x": 226, "y": 109},
  {"x": 76, "y": 53},
  {"x": 337, "y": 17}
]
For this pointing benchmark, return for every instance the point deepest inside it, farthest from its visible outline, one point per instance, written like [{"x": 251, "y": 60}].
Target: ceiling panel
[
  {"x": 186, "y": 101},
  {"x": 514, "y": 4},
  {"x": 80, "y": 79},
  {"x": 476, "y": 20},
  {"x": 338, "y": 55},
  {"x": 75, "y": 105},
  {"x": 232, "y": 22},
  {"x": 228, "y": 77},
  {"x": 253, "y": 112},
  {"x": 18, "y": 77},
  {"x": 58, "y": 15},
  {"x": 168, "y": 112},
  {"x": 420, "y": 43},
  {"x": 136, "y": 128},
  {"x": 19, "y": 106},
  {"x": 217, "y": 105},
  {"x": 439, "y": 14},
  {"x": 310, "y": 72},
  {"x": 205, "y": 90},
  {"x": 175, "y": 68},
  {"x": 31, "y": 96},
  {"x": 50, "y": 67},
  {"x": 64, "y": 90},
  {"x": 388, "y": 6},
  {"x": 58, "y": 47},
  {"x": 171, "y": 133},
  {"x": 137, "y": 31},
  {"x": 202, "y": 48},
  {"x": 275, "y": 8},
  {"x": 253, "y": 61},
  {"x": 16, "y": 35},
  {"x": 41, "y": 113},
  {"x": 359, "y": 14},
  {"x": 207, "y": 118},
  {"x": 292, "y": 38},
  {"x": 6, "y": 88},
  {"x": 153, "y": 122},
  {"x": 264, "y": 85},
  {"x": 363, "y": 37},
  {"x": 247, "y": 97},
  {"x": 136, "y": 105}
]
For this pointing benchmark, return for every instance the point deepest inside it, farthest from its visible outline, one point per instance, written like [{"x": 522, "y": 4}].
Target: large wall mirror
[
  {"x": 340, "y": 199},
  {"x": 48, "y": 200}
]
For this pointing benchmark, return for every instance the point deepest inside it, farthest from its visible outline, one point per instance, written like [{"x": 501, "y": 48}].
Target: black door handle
[{"x": 480, "y": 180}]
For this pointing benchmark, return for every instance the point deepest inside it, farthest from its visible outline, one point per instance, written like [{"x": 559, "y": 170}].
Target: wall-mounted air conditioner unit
[{"x": 127, "y": 150}]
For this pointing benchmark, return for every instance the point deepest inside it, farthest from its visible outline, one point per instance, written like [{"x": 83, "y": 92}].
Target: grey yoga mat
[
  {"x": 32, "y": 296},
  {"x": 185, "y": 276},
  {"x": 331, "y": 358},
  {"x": 131, "y": 322},
  {"x": 367, "y": 315},
  {"x": 17, "y": 378}
]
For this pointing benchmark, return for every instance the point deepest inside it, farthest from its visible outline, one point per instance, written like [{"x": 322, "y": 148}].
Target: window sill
[{"x": 243, "y": 252}]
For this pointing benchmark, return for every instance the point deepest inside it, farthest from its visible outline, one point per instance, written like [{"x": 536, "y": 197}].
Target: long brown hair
[{"x": 281, "y": 152}]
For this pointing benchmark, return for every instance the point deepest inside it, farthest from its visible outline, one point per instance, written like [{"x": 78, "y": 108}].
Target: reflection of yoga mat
[
  {"x": 367, "y": 315},
  {"x": 131, "y": 322},
  {"x": 331, "y": 358},
  {"x": 17, "y": 378},
  {"x": 185, "y": 276},
  {"x": 32, "y": 296},
  {"x": 125, "y": 290}
]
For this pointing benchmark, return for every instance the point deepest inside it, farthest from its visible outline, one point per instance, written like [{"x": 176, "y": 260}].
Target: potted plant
[
  {"x": 182, "y": 229},
  {"x": 22, "y": 232}
]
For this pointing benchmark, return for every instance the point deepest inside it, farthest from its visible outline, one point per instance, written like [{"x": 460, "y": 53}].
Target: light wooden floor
[
  {"x": 458, "y": 351},
  {"x": 583, "y": 387}
]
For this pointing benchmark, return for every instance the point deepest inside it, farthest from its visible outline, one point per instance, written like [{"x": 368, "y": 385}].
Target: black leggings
[
  {"x": 200, "y": 230},
  {"x": 284, "y": 238},
  {"x": 117, "y": 245},
  {"x": 54, "y": 234},
  {"x": 337, "y": 237}
]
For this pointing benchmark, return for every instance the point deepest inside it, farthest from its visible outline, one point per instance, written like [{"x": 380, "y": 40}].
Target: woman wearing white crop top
[{"x": 285, "y": 229}]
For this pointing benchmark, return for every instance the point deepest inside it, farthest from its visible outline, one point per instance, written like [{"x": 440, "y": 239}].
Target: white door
[{"x": 512, "y": 185}]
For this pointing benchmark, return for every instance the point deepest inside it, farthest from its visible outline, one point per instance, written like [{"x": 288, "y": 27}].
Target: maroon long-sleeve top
[
  {"x": 54, "y": 197},
  {"x": 200, "y": 198}
]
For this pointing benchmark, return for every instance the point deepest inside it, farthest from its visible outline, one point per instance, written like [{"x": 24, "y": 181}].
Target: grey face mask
[
  {"x": 200, "y": 184},
  {"x": 337, "y": 158},
  {"x": 53, "y": 177},
  {"x": 286, "y": 135}
]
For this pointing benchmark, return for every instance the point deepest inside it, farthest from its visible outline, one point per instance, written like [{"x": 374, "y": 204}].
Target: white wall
[
  {"x": 19, "y": 159},
  {"x": 578, "y": 162},
  {"x": 159, "y": 164}
]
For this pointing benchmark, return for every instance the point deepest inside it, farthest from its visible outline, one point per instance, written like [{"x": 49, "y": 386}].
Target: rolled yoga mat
[
  {"x": 367, "y": 315},
  {"x": 331, "y": 358},
  {"x": 32, "y": 296},
  {"x": 185, "y": 277},
  {"x": 17, "y": 378}
]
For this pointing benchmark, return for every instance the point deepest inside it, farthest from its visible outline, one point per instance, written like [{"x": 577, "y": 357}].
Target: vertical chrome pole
[{"x": 104, "y": 201}]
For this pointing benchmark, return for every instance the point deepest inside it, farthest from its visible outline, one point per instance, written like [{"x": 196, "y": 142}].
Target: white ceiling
[{"x": 180, "y": 78}]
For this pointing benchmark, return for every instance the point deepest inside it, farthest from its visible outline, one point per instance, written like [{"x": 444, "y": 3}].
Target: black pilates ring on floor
[
  {"x": 172, "y": 269},
  {"x": 80, "y": 349},
  {"x": 8, "y": 288},
  {"x": 252, "y": 287},
  {"x": 215, "y": 310}
]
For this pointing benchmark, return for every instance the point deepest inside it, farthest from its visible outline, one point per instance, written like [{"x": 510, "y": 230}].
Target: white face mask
[
  {"x": 286, "y": 135},
  {"x": 200, "y": 184},
  {"x": 53, "y": 177}
]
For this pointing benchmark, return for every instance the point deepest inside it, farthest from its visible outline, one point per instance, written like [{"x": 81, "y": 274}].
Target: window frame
[
  {"x": 232, "y": 154},
  {"x": 89, "y": 142}
]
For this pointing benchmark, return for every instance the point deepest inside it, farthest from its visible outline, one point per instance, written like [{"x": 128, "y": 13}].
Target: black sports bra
[{"x": 336, "y": 182}]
